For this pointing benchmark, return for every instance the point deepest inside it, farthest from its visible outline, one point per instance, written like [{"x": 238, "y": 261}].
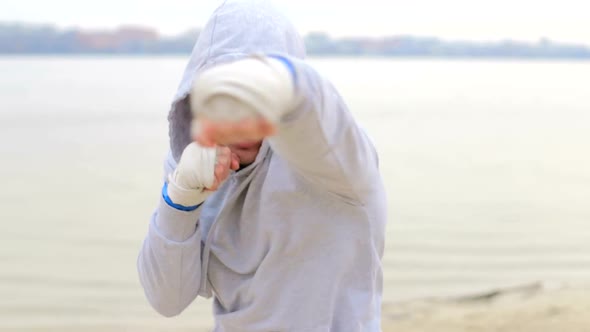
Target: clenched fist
[
  {"x": 242, "y": 101},
  {"x": 200, "y": 171}
]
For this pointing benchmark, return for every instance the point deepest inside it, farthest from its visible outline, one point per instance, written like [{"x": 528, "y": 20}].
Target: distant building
[{"x": 124, "y": 38}]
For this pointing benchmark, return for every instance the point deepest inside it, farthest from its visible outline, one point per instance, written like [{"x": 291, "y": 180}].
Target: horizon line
[{"x": 330, "y": 34}]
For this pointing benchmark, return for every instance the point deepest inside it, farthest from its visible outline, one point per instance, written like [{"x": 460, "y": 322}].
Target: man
[{"x": 274, "y": 206}]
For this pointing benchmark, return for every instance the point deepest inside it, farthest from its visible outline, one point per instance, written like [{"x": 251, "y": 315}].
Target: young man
[{"x": 274, "y": 206}]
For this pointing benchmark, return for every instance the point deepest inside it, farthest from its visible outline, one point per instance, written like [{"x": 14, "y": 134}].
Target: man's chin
[
  {"x": 246, "y": 156},
  {"x": 247, "y": 161}
]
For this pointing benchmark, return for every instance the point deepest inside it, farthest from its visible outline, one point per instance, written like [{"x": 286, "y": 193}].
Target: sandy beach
[{"x": 529, "y": 308}]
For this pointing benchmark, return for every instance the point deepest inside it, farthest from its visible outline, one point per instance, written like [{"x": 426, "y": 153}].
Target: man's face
[{"x": 246, "y": 151}]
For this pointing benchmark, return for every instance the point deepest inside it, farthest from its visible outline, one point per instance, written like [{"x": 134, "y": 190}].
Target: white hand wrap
[
  {"x": 195, "y": 172},
  {"x": 255, "y": 86}
]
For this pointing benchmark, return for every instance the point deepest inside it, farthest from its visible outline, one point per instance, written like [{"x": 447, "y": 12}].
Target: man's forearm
[{"x": 169, "y": 261}]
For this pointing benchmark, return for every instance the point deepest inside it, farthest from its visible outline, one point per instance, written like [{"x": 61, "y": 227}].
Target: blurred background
[{"x": 480, "y": 112}]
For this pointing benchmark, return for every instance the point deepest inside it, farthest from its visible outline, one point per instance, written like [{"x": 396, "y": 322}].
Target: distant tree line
[
  {"x": 29, "y": 39},
  {"x": 47, "y": 39}
]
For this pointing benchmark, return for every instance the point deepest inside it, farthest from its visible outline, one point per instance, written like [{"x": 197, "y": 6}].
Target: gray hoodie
[{"x": 294, "y": 241}]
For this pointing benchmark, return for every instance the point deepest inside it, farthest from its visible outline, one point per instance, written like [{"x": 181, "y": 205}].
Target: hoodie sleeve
[
  {"x": 169, "y": 262},
  {"x": 321, "y": 139}
]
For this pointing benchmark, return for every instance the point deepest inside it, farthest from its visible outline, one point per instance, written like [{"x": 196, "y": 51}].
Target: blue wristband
[
  {"x": 174, "y": 205},
  {"x": 288, "y": 64}
]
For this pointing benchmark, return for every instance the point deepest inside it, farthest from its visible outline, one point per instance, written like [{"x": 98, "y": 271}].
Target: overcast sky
[{"x": 563, "y": 20}]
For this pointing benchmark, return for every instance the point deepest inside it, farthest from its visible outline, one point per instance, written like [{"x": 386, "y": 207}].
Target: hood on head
[{"x": 237, "y": 28}]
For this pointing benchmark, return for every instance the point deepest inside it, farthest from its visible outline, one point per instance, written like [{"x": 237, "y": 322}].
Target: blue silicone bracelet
[{"x": 174, "y": 205}]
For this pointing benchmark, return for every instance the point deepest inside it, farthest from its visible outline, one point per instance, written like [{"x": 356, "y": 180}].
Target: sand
[{"x": 529, "y": 308}]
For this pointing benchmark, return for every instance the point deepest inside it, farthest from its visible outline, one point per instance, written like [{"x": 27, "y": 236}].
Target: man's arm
[
  {"x": 169, "y": 263},
  {"x": 320, "y": 138}
]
